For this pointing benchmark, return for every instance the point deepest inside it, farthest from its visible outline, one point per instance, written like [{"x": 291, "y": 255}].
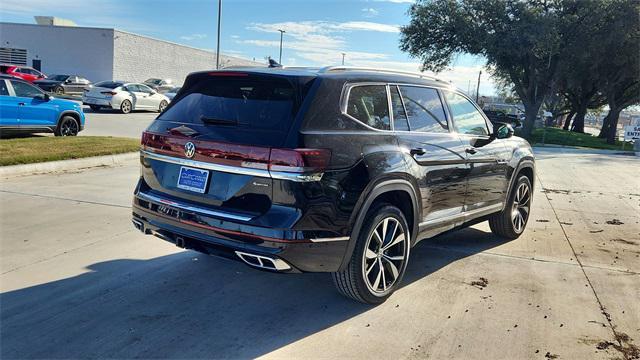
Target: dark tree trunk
[
  {"x": 567, "y": 121},
  {"x": 613, "y": 127},
  {"x": 530, "y": 115},
  {"x": 578, "y": 121},
  {"x": 605, "y": 126}
]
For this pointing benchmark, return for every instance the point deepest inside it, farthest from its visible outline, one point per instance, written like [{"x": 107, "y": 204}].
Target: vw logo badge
[{"x": 189, "y": 149}]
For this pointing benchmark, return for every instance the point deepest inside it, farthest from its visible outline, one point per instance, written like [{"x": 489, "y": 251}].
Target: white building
[{"x": 103, "y": 54}]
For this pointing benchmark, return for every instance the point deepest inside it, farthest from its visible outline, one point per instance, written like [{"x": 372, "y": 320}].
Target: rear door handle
[
  {"x": 470, "y": 151},
  {"x": 21, "y": 104},
  {"x": 417, "y": 151}
]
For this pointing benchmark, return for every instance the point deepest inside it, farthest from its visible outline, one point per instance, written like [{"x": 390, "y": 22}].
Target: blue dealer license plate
[{"x": 193, "y": 179}]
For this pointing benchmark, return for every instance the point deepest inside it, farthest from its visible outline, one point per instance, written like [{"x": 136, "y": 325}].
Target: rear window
[
  {"x": 238, "y": 102},
  {"x": 108, "y": 84}
]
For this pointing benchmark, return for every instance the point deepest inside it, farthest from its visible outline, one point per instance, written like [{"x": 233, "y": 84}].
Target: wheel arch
[
  {"x": 72, "y": 113},
  {"x": 395, "y": 191},
  {"x": 527, "y": 167}
]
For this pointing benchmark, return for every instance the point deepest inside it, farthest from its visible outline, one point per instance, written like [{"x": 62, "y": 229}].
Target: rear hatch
[{"x": 221, "y": 137}]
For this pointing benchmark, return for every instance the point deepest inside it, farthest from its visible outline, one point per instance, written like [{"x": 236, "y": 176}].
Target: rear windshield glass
[
  {"x": 240, "y": 102},
  {"x": 108, "y": 84}
]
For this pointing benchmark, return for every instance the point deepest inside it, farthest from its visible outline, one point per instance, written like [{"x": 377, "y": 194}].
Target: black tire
[
  {"x": 126, "y": 107},
  {"x": 163, "y": 105},
  {"x": 95, "y": 108},
  {"x": 354, "y": 281},
  {"x": 506, "y": 223},
  {"x": 68, "y": 126},
  {"x": 59, "y": 90}
]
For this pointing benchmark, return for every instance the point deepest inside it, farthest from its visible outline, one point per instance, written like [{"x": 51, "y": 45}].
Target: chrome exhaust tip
[
  {"x": 138, "y": 224},
  {"x": 263, "y": 262}
]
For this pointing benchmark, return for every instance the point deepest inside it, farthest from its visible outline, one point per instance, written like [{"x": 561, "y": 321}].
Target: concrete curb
[
  {"x": 585, "y": 150},
  {"x": 66, "y": 165}
]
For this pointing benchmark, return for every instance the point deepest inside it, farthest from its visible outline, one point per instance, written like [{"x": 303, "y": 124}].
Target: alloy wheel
[
  {"x": 384, "y": 256},
  {"x": 520, "y": 208},
  {"x": 126, "y": 107},
  {"x": 69, "y": 128}
]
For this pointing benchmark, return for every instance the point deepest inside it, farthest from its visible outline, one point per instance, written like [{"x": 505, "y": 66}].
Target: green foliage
[
  {"x": 584, "y": 50},
  {"x": 555, "y": 136}
]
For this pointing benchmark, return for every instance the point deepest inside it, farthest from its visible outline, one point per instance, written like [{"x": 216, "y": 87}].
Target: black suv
[{"x": 337, "y": 170}]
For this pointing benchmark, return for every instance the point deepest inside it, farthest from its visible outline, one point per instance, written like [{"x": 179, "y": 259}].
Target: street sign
[{"x": 631, "y": 133}]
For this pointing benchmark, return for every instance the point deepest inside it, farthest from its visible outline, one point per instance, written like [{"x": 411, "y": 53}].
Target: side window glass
[
  {"x": 424, "y": 109},
  {"x": 466, "y": 117},
  {"x": 400, "y": 122},
  {"x": 145, "y": 89},
  {"x": 4, "y": 91},
  {"x": 132, "y": 88},
  {"x": 368, "y": 103},
  {"x": 24, "y": 90}
]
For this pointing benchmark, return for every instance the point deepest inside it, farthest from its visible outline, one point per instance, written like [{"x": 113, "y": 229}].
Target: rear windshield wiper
[{"x": 214, "y": 121}]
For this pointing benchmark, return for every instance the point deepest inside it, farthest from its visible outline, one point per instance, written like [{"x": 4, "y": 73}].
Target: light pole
[
  {"x": 218, "y": 45},
  {"x": 478, "y": 87},
  {"x": 343, "y": 54},
  {"x": 281, "y": 34}
]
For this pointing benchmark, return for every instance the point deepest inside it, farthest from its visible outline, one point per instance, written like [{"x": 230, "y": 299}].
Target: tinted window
[
  {"x": 399, "y": 115},
  {"x": 109, "y": 84},
  {"x": 58, "y": 77},
  {"x": 236, "y": 102},
  {"x": 424, "y": 109},
  {"x": 3, "y": 88},
  {"x": 466, "y": 117},
  {"x": 24, "y": 90},
  {"x": 133, "y": 88},
  {"x": 369, "y": 104}
]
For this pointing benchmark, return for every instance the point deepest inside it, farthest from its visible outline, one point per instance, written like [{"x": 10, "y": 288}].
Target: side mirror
[
  {"x": 504, "y": 131},
  {"x": 68, "y": 81}
]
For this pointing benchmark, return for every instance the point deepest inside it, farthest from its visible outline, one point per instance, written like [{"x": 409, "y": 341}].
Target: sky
[{"x": 317, "y": 32}]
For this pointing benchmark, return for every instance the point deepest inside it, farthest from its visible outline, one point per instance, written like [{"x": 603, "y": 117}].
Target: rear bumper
[{"x": 282, "y": 250}]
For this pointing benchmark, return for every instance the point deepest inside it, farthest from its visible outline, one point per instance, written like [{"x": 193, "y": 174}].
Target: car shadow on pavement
[{"x": 187, "y": 305}]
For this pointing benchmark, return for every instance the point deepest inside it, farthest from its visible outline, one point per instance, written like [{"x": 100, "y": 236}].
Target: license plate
[{"x": 193, "y": 179}]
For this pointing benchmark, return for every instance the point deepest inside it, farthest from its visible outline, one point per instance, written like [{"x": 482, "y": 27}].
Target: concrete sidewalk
[{"x": 77, "y": 281}]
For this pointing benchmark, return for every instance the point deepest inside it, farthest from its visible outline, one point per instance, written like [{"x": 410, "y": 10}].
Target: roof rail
[{"x": 387, "y": 71}]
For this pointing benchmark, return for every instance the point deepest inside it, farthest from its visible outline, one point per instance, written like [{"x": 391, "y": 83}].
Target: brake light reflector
[
  {"x": 227, "y": 73},
  {"x": 299, "y": 160}
]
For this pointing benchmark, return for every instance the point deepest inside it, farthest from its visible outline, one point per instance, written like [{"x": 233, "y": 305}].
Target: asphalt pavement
[
  {"x": 77, "y": 281},
  {"x": 113, "y": 123}
]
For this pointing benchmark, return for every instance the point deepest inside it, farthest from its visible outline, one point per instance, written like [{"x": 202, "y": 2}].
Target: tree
[
  {"x": 586, "y": 69},
  {"x": 522, "y": 40},
  {"x": 619, "y": 61}
]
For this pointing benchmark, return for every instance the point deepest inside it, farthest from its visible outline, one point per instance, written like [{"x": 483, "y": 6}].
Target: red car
[{"x": 24, "y": 72}]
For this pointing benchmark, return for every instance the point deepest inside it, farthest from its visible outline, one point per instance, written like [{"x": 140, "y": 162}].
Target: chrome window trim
[
  {"x": 346, "y": 92},
  {"x": 196, "y": 209},
  {"x": 297, "y": 177}
]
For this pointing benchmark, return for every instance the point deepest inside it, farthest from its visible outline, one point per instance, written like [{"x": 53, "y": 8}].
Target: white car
[{"x": 124, "y": 96}]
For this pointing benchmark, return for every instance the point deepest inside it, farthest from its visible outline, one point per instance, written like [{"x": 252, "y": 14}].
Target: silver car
[
  {"x": 124, "y": 96},
  {"x": 160, "y": 85}
]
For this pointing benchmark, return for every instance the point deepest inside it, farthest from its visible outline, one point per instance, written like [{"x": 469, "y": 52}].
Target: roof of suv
[{"x": 348, "y": 72}]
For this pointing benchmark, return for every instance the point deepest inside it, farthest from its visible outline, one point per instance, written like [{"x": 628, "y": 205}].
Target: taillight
[
  {"x": 108, "y": 92},
  {"x": 299, "y": 160}
]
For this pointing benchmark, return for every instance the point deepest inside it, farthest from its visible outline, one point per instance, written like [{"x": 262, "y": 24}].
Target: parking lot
[
  {"x": 78, "y": 281},
  {"x": 112, "y": 123}
]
